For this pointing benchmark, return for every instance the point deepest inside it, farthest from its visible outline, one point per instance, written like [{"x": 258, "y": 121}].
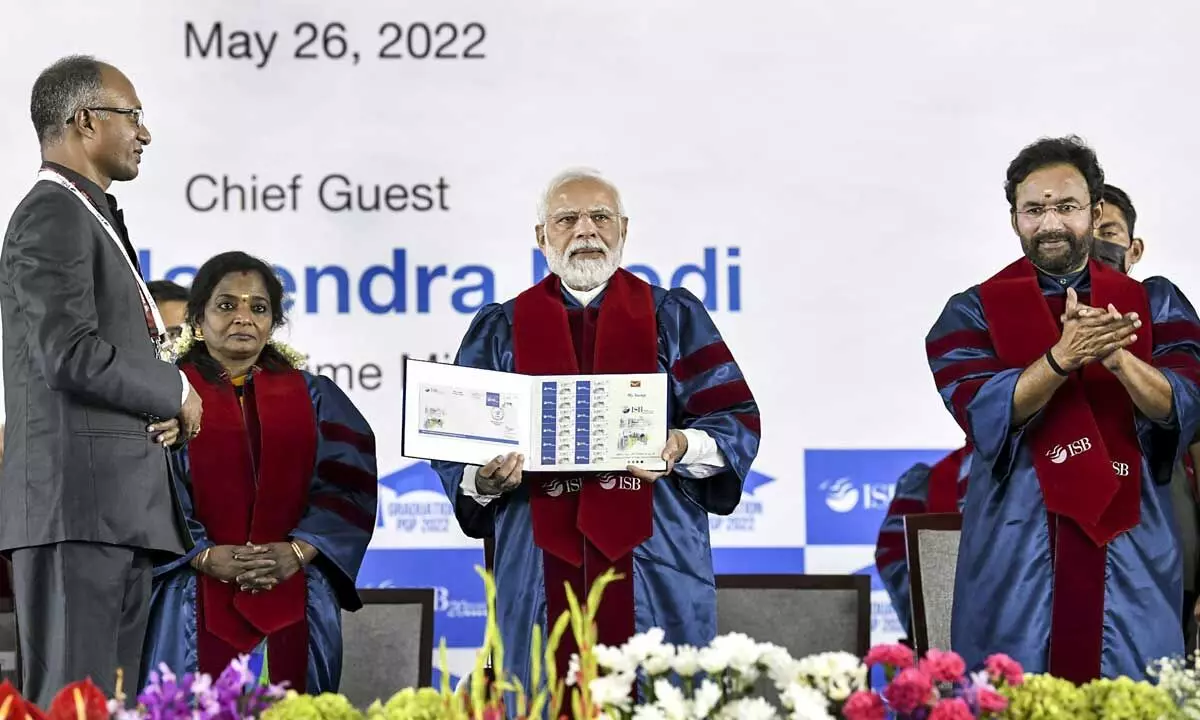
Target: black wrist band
[{"x": 1055, "y": 366}]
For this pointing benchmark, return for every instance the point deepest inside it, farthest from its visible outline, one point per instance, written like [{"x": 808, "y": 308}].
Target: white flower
[
  {"x": 670, "y": 699},
  {"x": 573, "y": 669},
  {"x": 641, "y": 645},
  {"x": 612, "y": 691},
  {"x": 780, "y": 666},
  {"x": 648, "y": 712},
  {"x": 659, "y": 660},
  {"x": 835, "y": 674},
  {"x": 714, "y": 661},
  {"x": 806, "y": 703},
  {"x": 743, "y": 652},
  {"x": 748, "y": 709},
  {"x": 614, "y": 659},
  {"x": 686, "y": 661},
  {"x": 706, "y": 698}
]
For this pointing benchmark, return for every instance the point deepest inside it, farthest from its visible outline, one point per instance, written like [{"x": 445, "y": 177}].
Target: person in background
[
  {"x": 589, "y": 316},
  {"x": 1079, "y": 389},
  {"x": 921, "y": 489},
  {"x": 1116, "y": 245},
  {"x": 278, "y": 494},
  {"x": 85, "y": 501},
  {"x": 171, "y": 299}
]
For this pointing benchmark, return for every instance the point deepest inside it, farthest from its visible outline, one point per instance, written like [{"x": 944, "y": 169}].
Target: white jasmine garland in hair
[
  {"x": 182, "y": 344},
  {"x": 294, "y": 357}
]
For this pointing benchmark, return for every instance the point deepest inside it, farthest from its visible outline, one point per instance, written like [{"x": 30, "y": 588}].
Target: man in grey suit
[{"x": 85, "y": 501}]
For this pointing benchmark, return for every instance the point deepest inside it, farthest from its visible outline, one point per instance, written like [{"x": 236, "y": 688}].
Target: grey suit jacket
[{"x": 81, "y": 382}]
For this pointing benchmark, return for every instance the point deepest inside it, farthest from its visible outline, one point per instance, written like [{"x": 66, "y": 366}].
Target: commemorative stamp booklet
[{"x": 561, "y": 423}]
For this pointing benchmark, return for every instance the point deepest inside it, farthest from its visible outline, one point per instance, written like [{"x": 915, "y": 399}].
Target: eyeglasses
[
  {"x": 1062, "y": 210},
  {"x": 138, "y": 114}
]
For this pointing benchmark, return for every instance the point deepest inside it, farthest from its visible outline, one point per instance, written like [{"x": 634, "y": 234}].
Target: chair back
[
  {"x": 387, "y": 645},
  {"x": 932, "y": 545}
]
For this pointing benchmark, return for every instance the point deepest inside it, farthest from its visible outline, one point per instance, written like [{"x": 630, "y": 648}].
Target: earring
[{"x": 198, "y": 334}]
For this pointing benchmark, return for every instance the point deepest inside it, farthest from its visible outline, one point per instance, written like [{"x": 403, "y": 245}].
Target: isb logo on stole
[{"x": 847, "y": 492}]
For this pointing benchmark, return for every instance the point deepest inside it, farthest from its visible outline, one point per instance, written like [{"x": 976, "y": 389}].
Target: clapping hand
[
  {"x": 1091, "y": 334},
  {"x": 673, "y": 452}
]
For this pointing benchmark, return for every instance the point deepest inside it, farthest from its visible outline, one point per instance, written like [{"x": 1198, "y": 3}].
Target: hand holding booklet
[{"x": 560, "y": 423}]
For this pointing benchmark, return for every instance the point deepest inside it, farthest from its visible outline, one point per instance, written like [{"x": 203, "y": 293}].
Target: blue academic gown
[
  {"x": 891, "y": 557},
  {"x": 1002, "y": 594},
  {"x": 673, "y": 574},
  {"x": 340, "y": 537}
]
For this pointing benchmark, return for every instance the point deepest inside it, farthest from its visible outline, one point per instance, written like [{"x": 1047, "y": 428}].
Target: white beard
[{"x": 584, "y": 274}]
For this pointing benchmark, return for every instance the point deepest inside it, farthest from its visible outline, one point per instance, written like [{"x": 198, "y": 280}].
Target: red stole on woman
[
  {"x": 591, "y": 523},
  {"x": 251, "y": 468},
  {"x": 1085, "y": 450}
]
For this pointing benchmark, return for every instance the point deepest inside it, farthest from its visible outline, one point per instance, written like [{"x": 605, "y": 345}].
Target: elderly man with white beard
[{"x": 592, "y": 317}]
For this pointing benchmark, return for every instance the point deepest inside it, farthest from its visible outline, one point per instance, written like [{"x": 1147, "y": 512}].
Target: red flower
[
  {"x": 897, "y": 656},
  {"x": 15, "y": 707},
  {"x": 863, "y": 705},
  {"x": 951, "y": 709},
  {"x": 910, "y": 690},
  {"x": 79, "y": 701},
  {"x": 991, "y": 701},
  {"x": 1002, "y": 667},
  {"x": 944, "y": 666}
]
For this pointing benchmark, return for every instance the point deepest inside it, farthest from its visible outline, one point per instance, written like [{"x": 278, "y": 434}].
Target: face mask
[{"x": 1109, "y": 253}]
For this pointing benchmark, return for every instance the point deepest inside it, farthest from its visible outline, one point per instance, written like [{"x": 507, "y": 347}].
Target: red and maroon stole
[
  {"x": 251, "y": 468},
  {"x": 944, "y": 482},
  {"x": 587, "y": 529},
  {"x": 1085, "y": 450}
]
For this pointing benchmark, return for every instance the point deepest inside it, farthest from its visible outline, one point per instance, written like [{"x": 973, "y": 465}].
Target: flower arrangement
[
  {"x": 718, "y": 681},
  {"x": 1180, "y": 680},
  {"x": 649, "y": 679},
  {"x": 1044, "y": 697},
  {"x": 937, "y": 688},
  {"x": 236, "y": 693}
]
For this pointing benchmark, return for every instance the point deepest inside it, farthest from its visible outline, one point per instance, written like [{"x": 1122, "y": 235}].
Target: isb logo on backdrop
[{"x": 847, "y": 492}]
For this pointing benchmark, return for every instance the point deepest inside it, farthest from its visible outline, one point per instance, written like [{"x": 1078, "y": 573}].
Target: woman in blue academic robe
[{"x": 277, "y": 492}]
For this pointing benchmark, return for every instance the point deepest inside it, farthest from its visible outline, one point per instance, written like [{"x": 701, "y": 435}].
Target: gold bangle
[
  {"x": 203, "y": 559},
  {"x": 299, "y": 555}
]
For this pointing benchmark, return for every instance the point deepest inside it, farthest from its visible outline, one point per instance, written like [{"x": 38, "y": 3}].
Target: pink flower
[
  {"x": 910, "y": 690},
  {"x": 863, "y": 705},
  {"x": 1002, "y": 667},
  {"x": 897, "y": 656},
  {"x": 991, "y": 701},
  {"x": 951, "y": 709},
  {"x": 944, "y": 666}
]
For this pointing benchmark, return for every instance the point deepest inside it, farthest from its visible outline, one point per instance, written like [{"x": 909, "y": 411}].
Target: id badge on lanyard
[{"x": 154, "y": 322}]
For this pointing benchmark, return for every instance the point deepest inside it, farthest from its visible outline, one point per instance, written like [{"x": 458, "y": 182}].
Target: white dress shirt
[{"x": 702, "y": 459}]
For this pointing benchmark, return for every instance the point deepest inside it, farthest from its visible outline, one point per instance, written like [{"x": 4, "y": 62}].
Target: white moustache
[{"x": 583, "y": 245}]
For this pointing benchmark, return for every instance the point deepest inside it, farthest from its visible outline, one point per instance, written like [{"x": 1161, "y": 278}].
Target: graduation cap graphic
[
  {"x": 418, "y": 476},
  {"x": 755, "y": 480}
]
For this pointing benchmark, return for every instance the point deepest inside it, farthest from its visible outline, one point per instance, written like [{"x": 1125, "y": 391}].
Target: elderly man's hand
[{"x": 673, "y": 452}]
